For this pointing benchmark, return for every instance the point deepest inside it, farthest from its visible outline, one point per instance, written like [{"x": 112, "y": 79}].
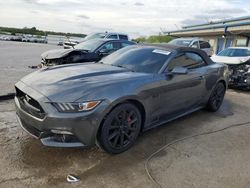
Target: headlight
[{"x": 76, "y": 107}]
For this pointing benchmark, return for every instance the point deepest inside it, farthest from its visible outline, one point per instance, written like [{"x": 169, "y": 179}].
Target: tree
[{"x": 154, "y": 39}]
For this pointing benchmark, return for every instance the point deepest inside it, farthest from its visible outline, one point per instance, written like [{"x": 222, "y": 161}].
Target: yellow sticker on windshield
[{"x": 164, "y": 52}]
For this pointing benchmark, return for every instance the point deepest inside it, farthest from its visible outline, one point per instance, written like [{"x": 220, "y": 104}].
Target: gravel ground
[{"x": 215, "y": 160}]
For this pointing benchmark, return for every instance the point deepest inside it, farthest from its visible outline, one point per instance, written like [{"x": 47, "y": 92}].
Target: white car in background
[
  {"x": 69, "y": 43},
  {"x": 238, "y": 61}
]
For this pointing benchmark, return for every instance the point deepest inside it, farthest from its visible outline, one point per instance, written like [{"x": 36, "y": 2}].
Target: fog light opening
[
  {"x": 65, "y": 138},
  {"x": 61, "y": 132}
]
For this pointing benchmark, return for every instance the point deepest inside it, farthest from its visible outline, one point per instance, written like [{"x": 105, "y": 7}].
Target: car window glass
[
  {"x": 123, "y": 37},
  {"x": 116, "y": 45},
  {"x": 195, "y": 44},
  {"x": 112, "y": 36},
  {"x": 204, "y": 44},
  {"x": 110, "y": 46},
  {"x": 180, "y": 42},
  {"x": 189, "y": 60},
  {"x": 234, "y": 52},
  {"x": 147, "y": 60},
  {"x": 124, "y": 44},
  {"x": 89, "y": 45},
  {"x": 94, "y": 35},
  {"x": 197, "y": 59}
]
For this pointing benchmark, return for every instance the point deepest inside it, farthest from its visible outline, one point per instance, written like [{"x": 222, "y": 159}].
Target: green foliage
[
  {"x": 154, "y": 39},
  {"x": 35, "y": 31}
]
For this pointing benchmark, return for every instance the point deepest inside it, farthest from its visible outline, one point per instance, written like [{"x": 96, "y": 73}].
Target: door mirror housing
[
  {"x": 179, "y": 70},
  {"x": 103, "y": 52}
]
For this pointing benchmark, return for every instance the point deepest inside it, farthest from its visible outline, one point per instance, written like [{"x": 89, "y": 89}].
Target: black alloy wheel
[
  {"x": 120, "y": 128},
  {"x": 216, "y": 97}
]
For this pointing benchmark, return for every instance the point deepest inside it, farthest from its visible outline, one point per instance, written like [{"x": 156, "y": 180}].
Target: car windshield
[
  {"x": 89, "y": 45},
  {"x": 180, "y": 42},
  {"x": 95, "y": 36},
  {"x": 138, "y": 59},
  {"x": 235, "y": 52}
]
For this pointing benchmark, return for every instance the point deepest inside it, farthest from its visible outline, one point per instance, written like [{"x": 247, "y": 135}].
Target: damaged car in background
[
  {"x": 88, "y": 51},
  {"x": 110, "y": 102},
  {"x": 238, "y": 61},
  {"x": 101, "y": 35}
]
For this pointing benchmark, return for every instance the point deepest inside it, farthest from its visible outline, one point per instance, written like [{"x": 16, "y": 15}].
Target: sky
[{"x": 134, "y": 17}]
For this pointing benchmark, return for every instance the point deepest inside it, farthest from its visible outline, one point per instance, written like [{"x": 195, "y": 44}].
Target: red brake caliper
[{"x": 129, "y": 119}]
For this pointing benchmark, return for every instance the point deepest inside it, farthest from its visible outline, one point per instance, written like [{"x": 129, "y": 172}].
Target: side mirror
[
  {"x": 179, "y": 70},
  {"x": 194, "y": 46},
  {"x": 103, "y": 52}
]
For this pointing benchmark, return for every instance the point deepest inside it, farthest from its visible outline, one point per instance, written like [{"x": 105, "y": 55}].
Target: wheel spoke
[
  {"x": 124, "y": 115},
  {"x": 132, "y": 121},
  {"x": 113, "y": 135},
  {"x": 117, "y": 120},
  {"x": 220, "y": 91},
  {"x": 116, "y": 140},
  {"x": 129, "y": 138},
  {"x": 214, "y": 96},
  {"x": 131, "y": 128},
  {"x": 114, "y": 127},
  {"x": 219, "y": 97},
  {"x": 121, "y": 139}
]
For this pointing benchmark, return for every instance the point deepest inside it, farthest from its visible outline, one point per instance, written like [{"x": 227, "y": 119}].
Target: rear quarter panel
[{"x": 215, "y": 73}]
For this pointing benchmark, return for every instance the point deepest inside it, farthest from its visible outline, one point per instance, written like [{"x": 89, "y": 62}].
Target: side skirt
[{"x": 174, "y": 118}]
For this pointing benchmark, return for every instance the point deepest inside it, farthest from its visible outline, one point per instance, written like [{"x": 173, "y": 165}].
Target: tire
[
  {"x": 120, "y": 129},
  {"x": 216, "y": 97}
]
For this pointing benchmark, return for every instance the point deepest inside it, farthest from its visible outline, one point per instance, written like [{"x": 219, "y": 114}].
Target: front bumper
[
  {"x": 239, "y": 82},
  {"x": 83, "y": 126}
]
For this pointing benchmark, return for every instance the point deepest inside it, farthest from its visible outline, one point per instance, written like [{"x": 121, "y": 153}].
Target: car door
[{"x": 182, "y": 92}]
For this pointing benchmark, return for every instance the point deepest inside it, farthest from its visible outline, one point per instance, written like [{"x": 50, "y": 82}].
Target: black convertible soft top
[{"x": 176, "y": 48}]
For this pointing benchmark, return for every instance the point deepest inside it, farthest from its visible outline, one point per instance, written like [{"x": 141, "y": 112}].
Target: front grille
[{"x": 29, "y": 105}]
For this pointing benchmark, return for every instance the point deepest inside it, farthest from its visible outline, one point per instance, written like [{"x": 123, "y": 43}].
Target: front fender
[{"x": 122, "y": 100}]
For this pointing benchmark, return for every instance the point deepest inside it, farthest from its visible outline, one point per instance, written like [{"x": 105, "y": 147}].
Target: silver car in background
[{"x": 194, "y": 43}]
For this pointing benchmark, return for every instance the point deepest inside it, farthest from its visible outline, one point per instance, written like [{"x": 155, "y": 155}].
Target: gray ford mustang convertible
[{"x": 110, "y": 102}]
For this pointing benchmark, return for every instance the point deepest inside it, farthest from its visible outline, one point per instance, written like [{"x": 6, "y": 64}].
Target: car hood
[
  {"x": 67, "y": 83},
  {"x": 230, "y": 60},
  {"x": 54, "y": 54}
]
